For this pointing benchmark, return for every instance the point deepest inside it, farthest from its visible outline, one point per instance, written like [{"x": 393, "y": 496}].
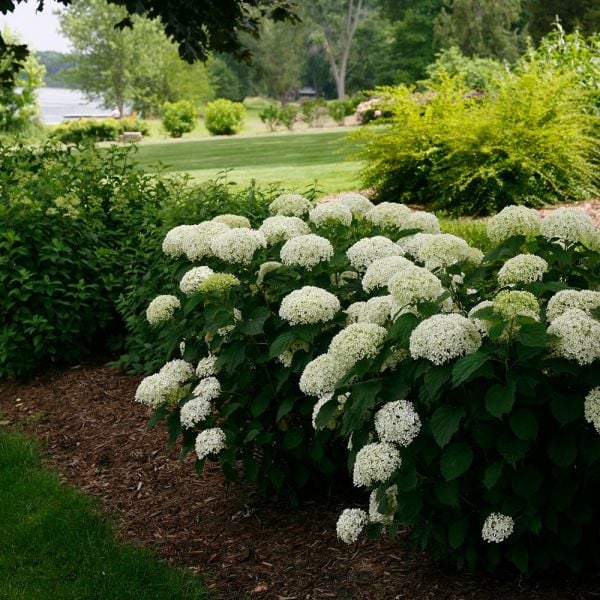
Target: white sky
[{"x": 38, "y": 30}]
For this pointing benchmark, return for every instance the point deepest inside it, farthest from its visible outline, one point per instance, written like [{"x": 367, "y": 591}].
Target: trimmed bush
[
  {"x": 87, "y": 130},
  {"x": 273, "y": 116},
  {"x": 179, "y": 117},
  {"x": 224, "y": 117},
  {"x": 314, "y": 112}
]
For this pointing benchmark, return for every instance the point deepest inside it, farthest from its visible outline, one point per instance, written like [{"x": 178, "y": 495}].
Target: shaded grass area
[{"x": 55, "y": 544}]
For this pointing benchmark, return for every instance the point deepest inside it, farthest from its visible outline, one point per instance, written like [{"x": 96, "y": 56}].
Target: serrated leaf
[
  {"x": 456, "y": 460},
  {"x": 251, "y": 468},
  {"x": 285, "y": 407},
  {"x": 491, "y": 475},
  {"x": 526, "y": 481},
  {"x": 260, "y": 402},
  {"x": 447, "y": 492},
  {"x": 434, "y": 381},
  {"x": 500, "y": 398},
  {"x": 565, "y": 408},
  {"x": 282, "y": 343},
  {"x": 519, "y": 557},
  {"x": 467, "y": 365},
  {"x": 254, "y": 325},
  {"x": 533, "y": 334},
  {"x": 402, "y": 327},
  {"x": 445, "y": 422},
  {"x": 326, "y": 412},
  {"x": 158, "y": 415}
]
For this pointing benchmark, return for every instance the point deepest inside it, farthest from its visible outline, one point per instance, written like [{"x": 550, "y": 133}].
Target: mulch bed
[{"x": 96, "y": 438}]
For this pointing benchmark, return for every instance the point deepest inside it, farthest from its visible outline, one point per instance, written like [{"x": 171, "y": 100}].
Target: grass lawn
[
  {"x": 54, "y": 544},
  {"x": 293, "y": 160}
]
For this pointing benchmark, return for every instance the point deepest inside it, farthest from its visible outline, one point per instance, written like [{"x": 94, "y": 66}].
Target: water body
[{"x": 56, "y": 103}]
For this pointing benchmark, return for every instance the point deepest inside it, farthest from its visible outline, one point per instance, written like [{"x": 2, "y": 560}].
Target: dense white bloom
[
  {"x": 375, "y": 463},
  {"x": 591, "y": 408},
  {"x": 578, "y": 336},
  {"x": 523, "y": 268},
  {"x": 152, "y": 391},
  {"x": 290, "y": 205},
  {"x": 280, "y": 229},
  {"x": 412, "y": 284},
  {"x": 354, "y": 312},
  {"x": 266, "y": 267},
  {"x": 365, "y": 251},
  {"x": 358, "y": 204},
  {"x": 511, "y": 304},
  {"x": 397, "y": 422},
  {"x": 585, "y": 300},
  {"x": 194, "y": 411},
  {"x": 209, "y": 388},
  {"x": 192, "y": 279},
  {"x": 177, "y": 371},
  {"x": 233, "y": 220},
  {"x": 355, "y": 342},
  {"x": 513, "y": 220},
  {"x": 238, "y": 245},
  {"x": 411, "y": 244},
  {"x": 380, "y": 271},
  {"x": 320, "y": 376},
  {"x": 330, "y": 212},
  {"x": 218, "y": 283},
  {"x": 166, "y": 385},
  {"x": 162, "y": 308},
  {"x": 173, "y": 243},
  {"x": 340, "y": 401},
  {"x": 441, "y": 251},
  {"x": 442, "y": 338},
  {"x": 306, "y": 251},
  {"x": 425, "y": 221},
  {"x": 309, "y": 305},
  {"x": 389, "y": 214},
  {"x": 392, "y": 504},
  {"x": 497, "y": 527},
  {"x": 210, "y": 441},
  {"x": 197, "y": 240},
  {"x": 474, "y": 256},
  {"x": 376, "y": 310},
  {"x": 206, "y": 366},
  {"x": 350, "y": 524},
  {"x": 569, "y": 224}
]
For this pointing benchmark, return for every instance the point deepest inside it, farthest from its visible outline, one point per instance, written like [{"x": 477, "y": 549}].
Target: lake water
[{"x": 55, "y": 103}]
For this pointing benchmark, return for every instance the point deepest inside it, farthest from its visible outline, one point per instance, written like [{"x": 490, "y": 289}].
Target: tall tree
[{"x": 583, "y": 15}]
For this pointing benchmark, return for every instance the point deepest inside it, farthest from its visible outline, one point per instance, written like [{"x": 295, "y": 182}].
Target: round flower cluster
[
  {"x": 210, "y": 441},
  {"x": 375, "y": 310},
  {"x": 218, "y": 283},
  {"x": 497, "y": 527},
  {"x": 320, "y": 376},
  {"x": 585, "y": 300},
  {"x": 329, "y": 213},
  {"x": 350, "y": 524},
  {"x": 425, "y": 221},
  {"x": 365, "y": 251},
  {"x": 511, "y": 304},
  {"x": 375, "y": 463},
  {"x": 591, "y": 408},
  {"x": 397, "y": 422},
  {"x": 411, "y": 244},
  {"x": 208, "y": 389},
  {"x": 197, "y": 240},
  {"x": 412, "y": 284},
  {"x": 358, "y": 204},
  {"x": 280, "y": 229},
  {"x": 290, "y": 205},
  {"x": 578, "y": 336},
  {"x": 380, "y": 271},
  {"x": 386, "y": 518},
  {"x": 177, "y": 371},
  {"x": 309, "y": 305},
  {"x": 191, "y": 281},
  {"x": 513, "y": 220},
  {"x": 173, "y": 243},
  {"x": 355, "y": 342},
  {"x": 238, "y": 245},
  {"x": 233, "y": 220},
  {"x": 523, "y": 268},
  {"x": 306, "y": 251},
  {"x": 166, "y": 385},
  {"x": 441, "y": 251},
  {"x": 442, "y": 338},
  {"x": 195, "y": 411},
  {"x": 162, "y": 309},
  {"x": 389, "y": 214},
  {"x": 206, "y": 366},
  {"x": 568, "y": 224}
]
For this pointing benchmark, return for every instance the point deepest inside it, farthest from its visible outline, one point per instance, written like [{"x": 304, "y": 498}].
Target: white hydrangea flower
[
  {"x": 197, "y": 240},
  {"x": 330, "y": 212},
  {"x": 280, "y": 229},
  {"x": 340, "y": 400},
  {"x": 286, "y": 357},
  {"x": 238, "y": 245},
  {"x": 192, "y": 279},
  {"x": 166, "y": 385},
  {"x": 309, "y": 305},
  {"x": 474, "y": 256},
  {"x": 380, "y": 271},
  {"x": 442, "y": 338},
  {"x": 568, "y": 224},
  {"x": 497, "y": 527},
  {"x": 233, "y": 220},
  {"x": 365, "y": 251},
  {"x": 375, "y": 463},
  {"x": 412, "y": 284},
  {"x": 441, "y": 251},
  {"x": 377, "y": 310},
  {"x": 354, "y": 311},
  {"x": 523, "y": 268},
  {"x": 389, "y": 214},
  {"x": 392, "y": 499},
  {"x": 578, "y": 336},
  {"x": 585, "y": 300},
  {"x": 194, "y": 411},
  {"x": 210, "y": 441},
  {"x": 511, "y": 304},
  {"x": 173, "y": 242},
  {"x": 397, "y": 422},
  {"x": 209, "y": 388},
  {"x": 320, "y": 376},
  {"x": 425, "y": 221},
  {"x": 206, "y": 366},
  {"x": 355, "y": 342},
  {"x": 152, "y": 391},
  {"x": 177, "y": 371},
  {"x": 266, "y": 267},
  {"x": 306, "y": 251},
  {"x": 591, "y": 408},
  {"x": 290, "y": 205},
  {"x": 162, "y": 309},
  {"x": 513, "y": 220},
  {"x": 358, "y": 204},
  {"x": 350, "y": 524}
]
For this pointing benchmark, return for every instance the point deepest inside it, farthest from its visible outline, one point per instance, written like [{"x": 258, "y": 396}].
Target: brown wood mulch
[{"x": 95, "y": 436}]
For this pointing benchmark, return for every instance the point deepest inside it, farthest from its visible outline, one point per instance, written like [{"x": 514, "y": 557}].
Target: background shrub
[
  {"x": 273, "y": 116},
  {"x": 338, "y": 110},
  {"x": 179, "y": 117},
  {"x": 314, "y": 112},
  {"x": 87, "y": 130},
  {"x": 224, "y": 117}
]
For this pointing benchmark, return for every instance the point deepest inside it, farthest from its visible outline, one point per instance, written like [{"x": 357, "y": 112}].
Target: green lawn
[
  {"x": 54, "y": 544},
  {"x": 293, "y": 160}
]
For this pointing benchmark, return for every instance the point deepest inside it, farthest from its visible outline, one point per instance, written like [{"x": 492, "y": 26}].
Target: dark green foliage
[
  {"x": 97, "y": 130},
  {"x": 583, "y": 15}
]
